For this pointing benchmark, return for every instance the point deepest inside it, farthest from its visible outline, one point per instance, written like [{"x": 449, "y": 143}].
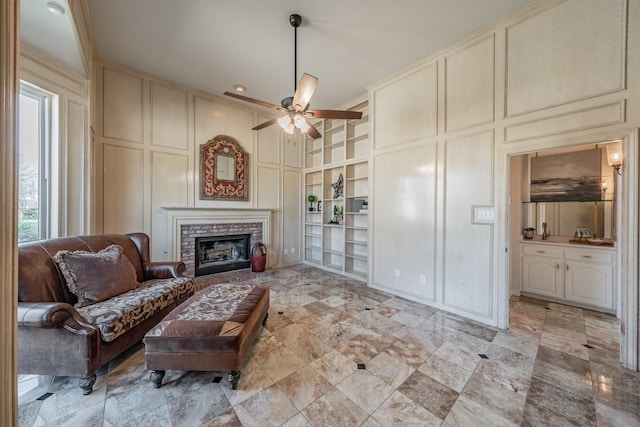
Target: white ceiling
[
  {"x": 50, "y": 34},
  {"x": 213, "y": 44}
]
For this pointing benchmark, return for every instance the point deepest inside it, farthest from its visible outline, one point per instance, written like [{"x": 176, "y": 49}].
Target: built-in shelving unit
[{"x": 337, "y": 225}]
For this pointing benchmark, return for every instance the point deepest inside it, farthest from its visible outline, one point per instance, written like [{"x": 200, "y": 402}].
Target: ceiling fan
[{"x": 296, "y": 107}]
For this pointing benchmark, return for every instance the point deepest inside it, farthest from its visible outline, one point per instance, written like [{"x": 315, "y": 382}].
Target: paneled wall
[
  {"x": 558, "y": 74},
  {"x": 148, "y": 134}
]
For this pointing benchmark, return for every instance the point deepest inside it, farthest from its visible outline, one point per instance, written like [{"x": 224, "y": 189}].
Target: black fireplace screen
[{"x": 215, "y": 254}]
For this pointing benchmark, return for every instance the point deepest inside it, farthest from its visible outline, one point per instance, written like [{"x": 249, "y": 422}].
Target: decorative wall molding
[{"x": 558, "y": 124}]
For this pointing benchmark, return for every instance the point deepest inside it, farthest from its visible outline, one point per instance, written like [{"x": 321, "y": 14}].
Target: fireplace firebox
[{"x": 215, "y": 254}]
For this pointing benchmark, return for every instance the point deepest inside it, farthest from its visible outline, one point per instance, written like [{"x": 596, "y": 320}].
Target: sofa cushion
[
  {"x": 95, "y": 277},
  {"x": 120, "y": 313}
]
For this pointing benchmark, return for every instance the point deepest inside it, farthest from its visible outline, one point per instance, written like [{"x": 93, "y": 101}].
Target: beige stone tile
[
  {"x": 389, "y": 369},
  {"x": 250, "y": 383},
  {"x": 446, "y": 372},
  {"x": 467, "y": 412},
  {"x": 334, "y": 409},
  {"x": 334, "y": 366},
  {"x": 399, "y": 410},
  {"x": 280, "y": 363},
  {"x": 516, "y": 340},
  {"x": 297, "y": 421},
  {"x": 491, "y": 395},
  {"x": 408, "y": 353},
  {"x": 303, "y": 387},
  {"x": 365, "y": 389},
  {"x": 268, "y": 407},
  {"x": 429, "y": 393}
]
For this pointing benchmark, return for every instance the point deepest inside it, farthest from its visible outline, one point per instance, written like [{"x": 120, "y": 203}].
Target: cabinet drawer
[
  {"x": 542, "y": 250},
  {"x": 587, "y": 255}
]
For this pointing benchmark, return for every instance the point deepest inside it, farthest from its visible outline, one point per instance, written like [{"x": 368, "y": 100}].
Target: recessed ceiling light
[
  {"x": 240, "y": 88},
  {"x": 55, "y": 8}
]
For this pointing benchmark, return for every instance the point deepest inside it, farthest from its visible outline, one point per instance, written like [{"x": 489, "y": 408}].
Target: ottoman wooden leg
[
  {"x": 233, "y": 377},
  {"x": 156, "y": 377},
  {"x": 264, "y": 321},
  {"x": 86, "y": 384}
]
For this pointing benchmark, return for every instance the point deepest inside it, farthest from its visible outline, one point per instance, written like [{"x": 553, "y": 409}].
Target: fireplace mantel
[{"x": 179, "y": 216}]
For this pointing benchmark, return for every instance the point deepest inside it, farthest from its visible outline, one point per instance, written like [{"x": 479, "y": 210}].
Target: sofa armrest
[
  {"x": 163, "y": 270},
  {"x": 48, "y": 315}
]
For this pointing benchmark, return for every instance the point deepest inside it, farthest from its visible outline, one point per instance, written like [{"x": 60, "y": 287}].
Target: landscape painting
[{"x": 566, "y": 177}]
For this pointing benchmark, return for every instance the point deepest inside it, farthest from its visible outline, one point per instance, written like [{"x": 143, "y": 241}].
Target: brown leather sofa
[{"x": 56, "y": 337}]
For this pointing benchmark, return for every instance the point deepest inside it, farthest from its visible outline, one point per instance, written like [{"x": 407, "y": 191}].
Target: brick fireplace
[{"x": 184, "y": 225}]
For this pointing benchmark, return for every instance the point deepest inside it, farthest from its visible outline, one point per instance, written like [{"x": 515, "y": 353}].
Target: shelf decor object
[
  {"x": 311, "y": 198},
  {"x": 223, "y": 170},
  {"x": 338, "y": 187}
]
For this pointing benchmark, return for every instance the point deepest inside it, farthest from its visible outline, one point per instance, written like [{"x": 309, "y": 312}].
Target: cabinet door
[
  {"x": 542, "y": 275},
  {"x": 590, "y": 283}
]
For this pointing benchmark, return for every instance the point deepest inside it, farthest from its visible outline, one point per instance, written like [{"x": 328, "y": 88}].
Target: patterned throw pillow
[{"x": 95, "y": 277}]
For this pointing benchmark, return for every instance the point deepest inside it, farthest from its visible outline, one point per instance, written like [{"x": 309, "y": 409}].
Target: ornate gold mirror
[{"x": 223, "y": 170}]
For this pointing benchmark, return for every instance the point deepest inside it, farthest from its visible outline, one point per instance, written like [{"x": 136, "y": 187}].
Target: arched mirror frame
[{"x": 227, "y": 184}]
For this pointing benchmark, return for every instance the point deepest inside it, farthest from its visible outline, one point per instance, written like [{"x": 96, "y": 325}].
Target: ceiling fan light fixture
[
  {"x": 286, "y": 123},
  {"x": 301, "y": 123}
]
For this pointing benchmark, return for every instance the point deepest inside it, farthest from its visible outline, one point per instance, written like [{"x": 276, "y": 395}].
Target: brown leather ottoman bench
[{"x": 211, "y": 331}]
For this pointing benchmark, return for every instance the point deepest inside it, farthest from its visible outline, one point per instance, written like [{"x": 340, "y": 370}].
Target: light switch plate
[{"x": 483, "y": 214}]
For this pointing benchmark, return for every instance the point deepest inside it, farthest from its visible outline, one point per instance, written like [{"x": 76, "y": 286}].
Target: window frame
[{"x": 46, "y": 144}]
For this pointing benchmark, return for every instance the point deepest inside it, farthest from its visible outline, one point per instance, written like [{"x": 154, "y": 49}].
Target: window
[{"x": 34, "y": 164}]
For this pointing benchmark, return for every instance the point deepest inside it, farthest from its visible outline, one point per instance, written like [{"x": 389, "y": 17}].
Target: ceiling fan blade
[
  {"x": 335, "y": 114},
  {"x": 266, "y": 124},
  {"x": 313, "y": 132},
  {"x": 254, "y": 101},
  {"x": 304, "y": 92}
]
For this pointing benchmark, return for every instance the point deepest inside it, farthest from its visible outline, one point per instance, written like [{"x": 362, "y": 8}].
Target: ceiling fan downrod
[{"x": 295, "y": 20}]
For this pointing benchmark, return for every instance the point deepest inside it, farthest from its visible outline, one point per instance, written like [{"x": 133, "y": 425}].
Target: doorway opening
[{"x": 615, "y": 219}]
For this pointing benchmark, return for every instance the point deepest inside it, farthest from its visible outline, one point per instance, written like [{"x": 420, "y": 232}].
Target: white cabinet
[
  {"x": 336, "y": 225},
  {"x": 541, "y": 271},
  {"x": 589, "y": 277},
  {"x": 582, "y": 276}
]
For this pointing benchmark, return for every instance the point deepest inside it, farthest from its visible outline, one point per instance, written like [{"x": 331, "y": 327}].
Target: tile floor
[{"x": 336, "y": 353}]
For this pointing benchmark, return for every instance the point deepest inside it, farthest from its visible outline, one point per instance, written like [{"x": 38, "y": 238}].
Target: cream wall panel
[
  {"x": 291, "y": 211},
  {"x": 572, "y": 51},
  {"x": 169, "y": 178},
  {"x": 268, "y": 195},
  {"x": 169, "y": 117},
  {"x": 76, "y": 174},
  {"x": 292, "y": 150},
  {"x": 123, "y": 189},
  {"x": 469, "y": 77},
  {"x": 268, "y": 150},
  {"x": 468, "y": 247},
  {"x": 407, "y": 109},
  {"x": 122, "y": 106},
  {"x": 404, "y": 223},
  {"x": 214, "y": 118},
  {"x": 561, "y": 123}
]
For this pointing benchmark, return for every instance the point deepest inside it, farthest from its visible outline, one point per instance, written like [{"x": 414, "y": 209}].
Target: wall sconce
[{"x": 614, "y": 156}]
